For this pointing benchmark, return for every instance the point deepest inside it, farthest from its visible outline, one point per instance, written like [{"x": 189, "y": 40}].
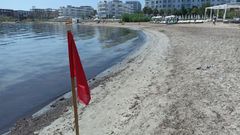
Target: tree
[
  {"x": 169, "y": 12},
  {"x": 145, "y": 10},
  {"x": 126, "y": 17},
  {"x": 161, "y": 12},
  {"x": 183, "y": 10},
  {"x": 150, "y": 11},
  {"x": 195, "y": 11},
  {"x": 189, "y": 10},
  {"x": 155, "y": 12},
  {"x": 202, "y": 8},
  {"x": 175, "y": 12}
]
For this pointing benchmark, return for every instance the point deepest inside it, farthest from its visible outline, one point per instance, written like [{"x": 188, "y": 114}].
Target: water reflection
[
  {"x": 84, "y": 32},
  {"x": 112, "y": 37}
]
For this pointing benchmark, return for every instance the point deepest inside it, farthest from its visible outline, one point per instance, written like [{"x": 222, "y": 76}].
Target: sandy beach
[{"x": 183, "y": 80}]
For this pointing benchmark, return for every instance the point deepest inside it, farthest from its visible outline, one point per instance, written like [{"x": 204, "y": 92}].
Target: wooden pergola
[{"x": 224, "y": 7}]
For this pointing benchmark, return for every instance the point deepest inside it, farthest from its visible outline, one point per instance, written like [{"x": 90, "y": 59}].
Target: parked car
[
  {"x": 157, "y": 19},
  {"x": 172, "y": 19}
]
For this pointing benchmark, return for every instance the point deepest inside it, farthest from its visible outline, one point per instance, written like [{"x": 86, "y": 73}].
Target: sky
[{"x": 27, "y": 4}]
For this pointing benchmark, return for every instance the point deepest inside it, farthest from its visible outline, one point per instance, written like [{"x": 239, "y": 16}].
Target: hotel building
[{"x": 113, "y": 8}]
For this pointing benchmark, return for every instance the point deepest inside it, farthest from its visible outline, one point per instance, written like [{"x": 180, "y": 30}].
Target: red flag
[{"x": 76, "y": 70}]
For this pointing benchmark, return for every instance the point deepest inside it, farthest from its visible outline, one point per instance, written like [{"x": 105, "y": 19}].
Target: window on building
[
  {"x": 156, "y": 2},
  {"x": 169, "y": 5},
  {"x": 169, "y": 1}
]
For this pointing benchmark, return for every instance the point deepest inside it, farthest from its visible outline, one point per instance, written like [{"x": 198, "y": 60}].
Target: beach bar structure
[{"x": 224, "y": 7}]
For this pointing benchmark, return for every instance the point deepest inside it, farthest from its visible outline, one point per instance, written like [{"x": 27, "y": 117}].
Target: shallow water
[{"x": 34, "y": 62}]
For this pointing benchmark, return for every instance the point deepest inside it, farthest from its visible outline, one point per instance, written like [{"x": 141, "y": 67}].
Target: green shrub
[
  {"x": 135, "y": 18},
  {"x": 6, "y": 19}
]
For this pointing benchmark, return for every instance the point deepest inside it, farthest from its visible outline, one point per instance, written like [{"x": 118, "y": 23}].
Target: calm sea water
[{"x": 34, "y": 62}]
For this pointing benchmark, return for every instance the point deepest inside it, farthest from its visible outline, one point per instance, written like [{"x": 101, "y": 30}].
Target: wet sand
[{"x": 184, "y": 80}]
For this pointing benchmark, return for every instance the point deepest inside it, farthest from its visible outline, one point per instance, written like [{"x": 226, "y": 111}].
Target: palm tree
[
  {"x": 147, "y": 10},
  {"x": 155, "y": 12}
]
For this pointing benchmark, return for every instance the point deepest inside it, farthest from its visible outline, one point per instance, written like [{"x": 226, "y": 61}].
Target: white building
[
  {"x": 113, "y": 8},
  {"x": 234, "y": 1},
  {"x": 88, "y": 11},
  {"x": 103, "y": 9},
  {"x": 76, "y": 12},
  {"x": 137, "y": 6},
  {"x": 178, "y": 4}
]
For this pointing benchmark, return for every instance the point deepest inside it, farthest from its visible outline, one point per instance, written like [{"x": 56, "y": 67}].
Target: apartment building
[
  {"x": 39, "y": 13},
  {"x": 7, "y": 12},
  {"x": 103, "y": 9},
  {"x": 113, "y": 8},
  {"x": 137, "y": 6},
  {"x": 178, "y": 4},
  {"x": 76, "y": 12},
  {"x": 34, "y": 13}
]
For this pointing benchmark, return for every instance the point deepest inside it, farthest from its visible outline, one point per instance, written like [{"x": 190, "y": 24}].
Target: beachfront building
[
  {"x": 22, "y": 14},
  {"x": 234, "y": 1},
  {"x": 178, "y": 4},
  {"x": 137, "y": 7},
  {"x": 34, "y": 13},
  {"x": 76, "y": 12},
  {"x": 38, "y": 13},
  {"x": 113, "y": 8},
  {"x": 103, "y": 9},
  {"x": 117, "y": 8},
  {"x": 7, "y": 12},
  {"x": 87, "y": 11}
]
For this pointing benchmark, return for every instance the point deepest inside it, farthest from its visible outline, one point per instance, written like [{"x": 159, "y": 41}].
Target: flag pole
[
  {"x": 77, "y": 76},
  {"x": 74, "y": 101},
  {"x": 74, "y": 97}
]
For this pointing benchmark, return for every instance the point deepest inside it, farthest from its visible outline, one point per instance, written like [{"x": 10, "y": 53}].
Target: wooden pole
[{"x": 74, "y": 102}]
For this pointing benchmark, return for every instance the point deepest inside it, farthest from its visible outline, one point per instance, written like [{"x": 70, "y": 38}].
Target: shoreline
[
  {"x": 97, "y": 79},
  {"x": 63, "y": 102},
  {"x": 135, "y": 61},
  {"x": 94, "y": 82}
]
